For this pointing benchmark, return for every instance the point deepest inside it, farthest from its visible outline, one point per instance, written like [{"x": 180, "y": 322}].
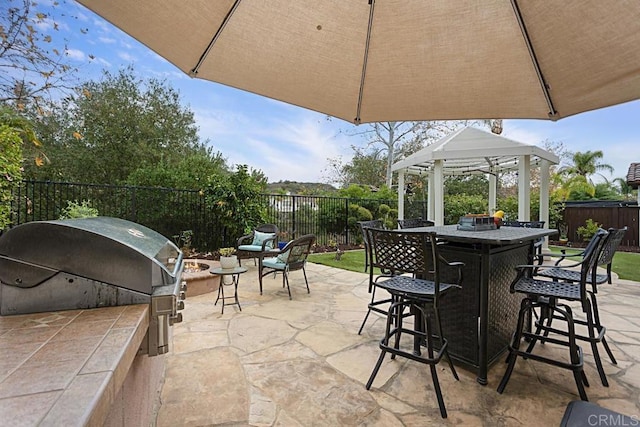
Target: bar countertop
[
  {"x": 65, "y": 367},
  {"x": 501, "y": 236}
]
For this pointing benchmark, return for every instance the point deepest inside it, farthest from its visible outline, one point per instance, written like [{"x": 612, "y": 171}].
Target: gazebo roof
[{"x": 473, "y": 151}]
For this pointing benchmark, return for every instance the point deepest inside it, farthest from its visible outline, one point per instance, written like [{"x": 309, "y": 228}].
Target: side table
[{"x": 235, "y": 278}]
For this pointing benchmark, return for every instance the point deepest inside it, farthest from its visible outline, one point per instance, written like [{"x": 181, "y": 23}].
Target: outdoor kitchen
[{"x": 87, "y": 308}]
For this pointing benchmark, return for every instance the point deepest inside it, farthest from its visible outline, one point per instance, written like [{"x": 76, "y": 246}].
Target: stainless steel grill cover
[{"x": 89, "y": 263}]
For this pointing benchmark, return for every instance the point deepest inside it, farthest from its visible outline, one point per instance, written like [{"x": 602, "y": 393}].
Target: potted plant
[
  {"x": 562, "y": 228},
  {"x": 228, "y": 259}
]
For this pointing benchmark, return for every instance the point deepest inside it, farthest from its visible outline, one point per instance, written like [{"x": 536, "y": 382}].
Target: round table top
[{"x": 224, "y": 271}]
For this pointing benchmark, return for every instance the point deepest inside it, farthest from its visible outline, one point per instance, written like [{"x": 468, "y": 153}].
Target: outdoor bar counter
[
  {"x": 478, "y": 319},
  {"x": 77, "y": 367}
]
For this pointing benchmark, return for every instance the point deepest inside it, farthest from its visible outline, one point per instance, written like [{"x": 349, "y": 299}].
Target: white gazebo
[{"x": 474, "y": 151}]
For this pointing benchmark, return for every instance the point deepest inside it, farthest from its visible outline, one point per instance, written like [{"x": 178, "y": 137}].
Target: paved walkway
[{"x": 301, "y": 363}]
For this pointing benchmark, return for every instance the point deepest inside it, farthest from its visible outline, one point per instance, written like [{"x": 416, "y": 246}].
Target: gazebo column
[
  {"x": 431, "y": 198},
  {"x": 493, "y": 190},
  {"x": 545, "y": 167},
  {"x": 524, "y": 191},
  {"x": 401, "y": 194},
  {"x": 438, "y": 192}
]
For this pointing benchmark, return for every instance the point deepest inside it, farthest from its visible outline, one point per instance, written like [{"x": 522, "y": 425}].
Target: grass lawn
[
  {"x": 350, "y": 260},
  {"x": 625, "y": 264}
]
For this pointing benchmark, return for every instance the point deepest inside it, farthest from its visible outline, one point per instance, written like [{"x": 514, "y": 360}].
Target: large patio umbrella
[{"x": 391, "y": 60}]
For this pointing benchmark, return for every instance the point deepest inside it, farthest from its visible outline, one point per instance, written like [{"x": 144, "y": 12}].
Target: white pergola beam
[
  {"x": 438, "y": 192},
  {"x": 524, "y": 192}
]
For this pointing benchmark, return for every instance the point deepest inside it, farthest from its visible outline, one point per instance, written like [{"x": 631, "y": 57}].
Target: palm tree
[
  {"x": 576, "y": 178},
  {"x": 587, "y": 164},
  {"x": 624, "y": 188}
]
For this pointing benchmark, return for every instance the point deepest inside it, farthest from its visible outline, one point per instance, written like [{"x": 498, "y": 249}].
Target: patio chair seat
[
  {"x": 274, "y": 263},
  {"x": 253, "y": 248}
]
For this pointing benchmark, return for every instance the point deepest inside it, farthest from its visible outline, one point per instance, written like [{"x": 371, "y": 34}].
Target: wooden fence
[{"x": 606, "y": 216}]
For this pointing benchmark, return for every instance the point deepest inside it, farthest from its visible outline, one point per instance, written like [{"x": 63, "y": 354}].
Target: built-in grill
[{"x": 89, "y": 263}]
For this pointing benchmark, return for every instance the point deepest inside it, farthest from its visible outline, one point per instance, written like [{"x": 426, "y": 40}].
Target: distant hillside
[{"x": 304, "y": 188}]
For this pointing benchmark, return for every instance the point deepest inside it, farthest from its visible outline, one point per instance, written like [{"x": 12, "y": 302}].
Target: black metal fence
[{"x": 172, "y": 211}]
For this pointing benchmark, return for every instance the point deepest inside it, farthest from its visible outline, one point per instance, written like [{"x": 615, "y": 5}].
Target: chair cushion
[
  {"x": 250, "y": 248},
  {"x": 283, "y": 257},
  {"x": 274, "y": 263},
  {"x": 259, "y": 237}
]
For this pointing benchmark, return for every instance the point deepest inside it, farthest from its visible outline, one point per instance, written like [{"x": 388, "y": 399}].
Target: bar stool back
[{"x": 419, "y": 289}]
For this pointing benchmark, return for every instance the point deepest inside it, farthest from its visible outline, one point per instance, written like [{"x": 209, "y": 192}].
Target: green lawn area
[
  {"x": 625, "y": 264},
  {"x": 350, "y": 260}
]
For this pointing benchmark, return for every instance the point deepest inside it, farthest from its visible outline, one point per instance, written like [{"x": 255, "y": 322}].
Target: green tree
[
  {"x": 34, "y": 66},
  {"x": 235, "y": 201},
  {"x": 10, "y": 169},
  {"x": 365, "y": 168},
  {"x": 474, "y": 184},
  {"x": 624, "y": 188},
  {"x": 114, "y": 127},
  {"x": 587, "y": 164},
  {"x": 191, "y": 172}
]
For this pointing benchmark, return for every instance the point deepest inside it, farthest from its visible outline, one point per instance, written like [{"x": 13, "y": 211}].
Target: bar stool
[
  {"x": 548, "y": 296},
  {"x": 419, "y": 291},
  {"x": 564, "y": 273}
]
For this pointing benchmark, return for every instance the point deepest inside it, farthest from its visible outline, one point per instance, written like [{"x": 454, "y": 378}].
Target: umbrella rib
[
  {"x": 357, "y": 120},
  {"x": 204, "y": 55},
  {"x": 553, "y": 114}
]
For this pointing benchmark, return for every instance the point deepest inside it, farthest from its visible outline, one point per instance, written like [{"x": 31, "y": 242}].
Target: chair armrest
[
  {"x": 564, "y": 255},
  {"x": 274, "y": 245},
  {"x": 246, "y": 237}
]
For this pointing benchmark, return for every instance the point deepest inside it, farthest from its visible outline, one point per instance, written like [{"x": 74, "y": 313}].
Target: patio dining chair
[
  {"x": 376, "y": 223},
  {"x": 419, "y": 290},
  {"x": 260, "y": 241},
  {"x": 552, "y": 298},
  {"x": 414, "y": 223},
  {"x": 290, "y": 258}
]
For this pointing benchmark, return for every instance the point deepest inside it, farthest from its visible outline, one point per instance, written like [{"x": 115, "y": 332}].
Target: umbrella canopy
[{"x": 395, "y": 60}]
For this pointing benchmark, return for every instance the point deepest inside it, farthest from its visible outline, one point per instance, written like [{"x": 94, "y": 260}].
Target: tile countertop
[{"x": 66, "y": 367}]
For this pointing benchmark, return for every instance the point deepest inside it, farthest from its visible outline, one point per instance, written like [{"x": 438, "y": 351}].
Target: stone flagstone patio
[{"x": 301, "y": 363}]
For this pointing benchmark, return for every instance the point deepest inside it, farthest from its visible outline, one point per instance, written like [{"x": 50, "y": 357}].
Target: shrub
[
  {"x": 78, "y": 210},
  {"x": 587, "y": 230}
]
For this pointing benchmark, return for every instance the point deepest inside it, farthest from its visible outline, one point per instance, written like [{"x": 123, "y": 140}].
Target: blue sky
[{"x": 292, "y": 143}]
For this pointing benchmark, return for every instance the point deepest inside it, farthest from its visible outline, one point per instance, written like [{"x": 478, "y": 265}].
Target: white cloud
[
  {"x": 75, "y": 54},
  {"x": 126, "y": 56},
  {"x": 107, "y": 40}
]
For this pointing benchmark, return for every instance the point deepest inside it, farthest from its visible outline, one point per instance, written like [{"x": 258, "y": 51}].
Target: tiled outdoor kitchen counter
[{"x": 69, "y": 367}]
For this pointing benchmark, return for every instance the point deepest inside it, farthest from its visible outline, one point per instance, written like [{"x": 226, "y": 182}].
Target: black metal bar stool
[
  {"x": 566, "y": 274},
  {"x": 419, "y": 291},
  {"x": 548, "y": 296}
]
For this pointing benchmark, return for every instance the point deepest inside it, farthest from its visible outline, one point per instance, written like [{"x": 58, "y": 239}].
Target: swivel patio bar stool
[
  {"x": 604, "y": 256},
  {"x": 550, "y": 296},
  {"x": 419, "y": 289}
]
